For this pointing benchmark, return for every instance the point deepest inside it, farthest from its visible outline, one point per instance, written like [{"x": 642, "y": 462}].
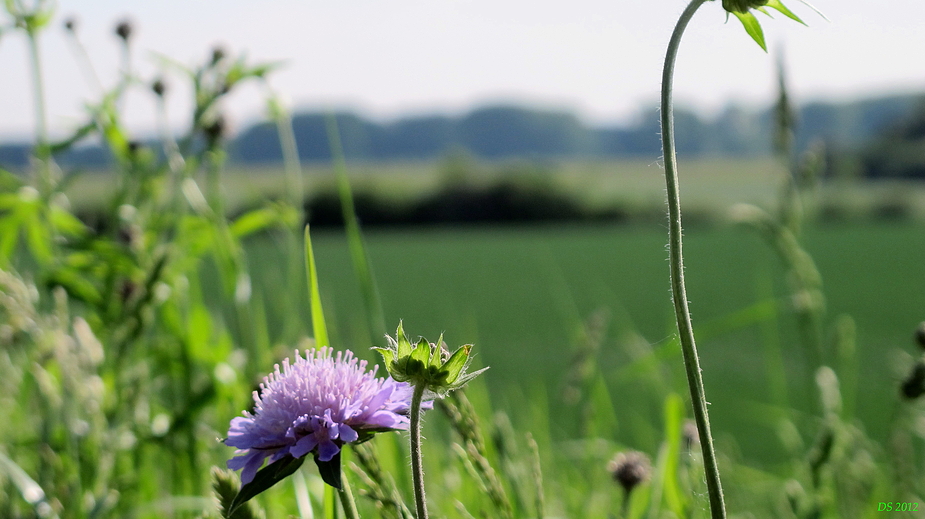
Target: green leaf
[
  {"x": 436, "y": 356},
  {"x": 266, "y": 478},
  {"x": 753, "y": 28},
  {"x": 777, "y": 4},
  {"x": 421, "y": 352},
  {"x": 404, "y": 345},
  {"x": 39, "y": 239},
  {"x": 66, "y": 223},
  {"x": 254, "y": 221},
  {"x": 454, "y": 366},
  {"x": 388, "y": 356},
  {"x": 76, "y": 284},
  {"x": 318, "y": 327},
  {"x": 330, "y": 471}
]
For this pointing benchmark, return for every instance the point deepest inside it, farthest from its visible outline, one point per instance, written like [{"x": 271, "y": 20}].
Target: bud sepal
[{"x": 426, "y": 363}]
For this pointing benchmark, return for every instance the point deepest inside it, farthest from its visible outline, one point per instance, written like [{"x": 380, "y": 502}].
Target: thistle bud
[
  {"x": 629, "y": 469},
  {"x": 428, "y": 364},
  {"x": 742, "y": 6}
]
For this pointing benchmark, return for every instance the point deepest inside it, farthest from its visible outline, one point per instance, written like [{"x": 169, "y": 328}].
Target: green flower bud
[
  {"x": 742, "y": 6},
  {"x": 426, "y": 363}
]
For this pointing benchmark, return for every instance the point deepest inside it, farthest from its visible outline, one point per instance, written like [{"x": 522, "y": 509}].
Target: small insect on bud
[
  {"x": 124, "y": 30},
  {"x": 920, "y": 335},
  {"x": 629, "y": 469},
  {"x": 159, "y": 87}
]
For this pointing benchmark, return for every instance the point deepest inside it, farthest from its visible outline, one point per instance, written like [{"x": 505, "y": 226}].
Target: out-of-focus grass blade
[
  {"x": 358, "y": 253},
  {"x": 665, "y": 478},
  {"x": 303, "y": 502},
  {"x": 330, "y": 503},
  {"x": 318, "y": 326},
  {"x": 674, "y": 417},
  {"x": 28, "y": 488}
]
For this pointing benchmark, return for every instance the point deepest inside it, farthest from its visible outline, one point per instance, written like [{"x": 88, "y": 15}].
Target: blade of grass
[
  {"x": 318, "y": 326},
  {"x": 320, "y": 331},
  {"x": 358, "y": 253}
]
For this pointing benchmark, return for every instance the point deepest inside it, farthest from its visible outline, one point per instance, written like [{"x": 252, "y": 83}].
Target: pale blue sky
[{"x": 600, "y": 58}]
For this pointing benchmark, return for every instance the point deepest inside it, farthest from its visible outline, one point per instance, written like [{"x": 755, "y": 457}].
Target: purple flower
[{"x": 316, "y": 405}]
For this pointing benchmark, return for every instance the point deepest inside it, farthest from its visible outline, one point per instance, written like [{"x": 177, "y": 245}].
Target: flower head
[
  {"x": 629, "y": 469},
  {"x": 315, "y": 405},
  {"x": 742, "y": 10}
]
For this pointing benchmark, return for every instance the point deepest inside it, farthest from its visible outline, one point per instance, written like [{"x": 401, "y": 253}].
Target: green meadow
[{"x": 523, "y": 295}]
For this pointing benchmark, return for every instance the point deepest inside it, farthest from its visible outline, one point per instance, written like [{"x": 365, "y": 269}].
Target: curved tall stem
[{"x": 678, "y": 290}]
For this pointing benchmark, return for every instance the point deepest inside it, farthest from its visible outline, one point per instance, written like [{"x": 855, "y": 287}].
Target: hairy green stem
[
  {"x": 417, "y": 469},
  {"x": 346, "y": 499},
  {"x": 678, "y": 290}
]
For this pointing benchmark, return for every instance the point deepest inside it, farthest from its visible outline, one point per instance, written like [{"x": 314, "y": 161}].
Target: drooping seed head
[
  {"x": 920, "y": 335},
  {"x": 124, "y": 30}
]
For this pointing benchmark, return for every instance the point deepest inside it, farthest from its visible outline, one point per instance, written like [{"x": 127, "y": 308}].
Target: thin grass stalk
[
  {"x": 85, "y": 63},
  {"x": 358, "y": 253},
  {"x": 678, "y": 289},
  {"x": 294, "y": 187},
  {"x": 42, "y": 150}
]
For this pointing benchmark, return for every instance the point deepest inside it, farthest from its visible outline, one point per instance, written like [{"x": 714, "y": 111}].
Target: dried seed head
[
  {"x": 218, "y": 54},
  {"x": 914, "y": 385},
  {"x": 124, "y": 30},
  {"x": 629, "y": 469},
  {"x": 920, "y": 335},
  {"x": 216, "y": 130},
  {"x": 159, "y": 87}
]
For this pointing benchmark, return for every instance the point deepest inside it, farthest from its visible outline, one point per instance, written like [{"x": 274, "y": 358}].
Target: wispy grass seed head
[{"x": 315, "y": 405}]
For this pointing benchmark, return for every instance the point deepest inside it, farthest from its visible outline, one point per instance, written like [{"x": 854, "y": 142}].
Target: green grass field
[
  {"x": 521, "y": 294},
  {"x": 574, "y": 320}
]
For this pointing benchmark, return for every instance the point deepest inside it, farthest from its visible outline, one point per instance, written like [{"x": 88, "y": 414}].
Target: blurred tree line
[{"x": 878, "y": 137}]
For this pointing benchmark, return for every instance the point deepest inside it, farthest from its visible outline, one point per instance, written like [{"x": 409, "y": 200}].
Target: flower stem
[
  {"x": 417, "y": 470},
  {"x": 42, "y": 150},
  {"x": 678, "y": 290},
  {"x": 347, "y": 500}
]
